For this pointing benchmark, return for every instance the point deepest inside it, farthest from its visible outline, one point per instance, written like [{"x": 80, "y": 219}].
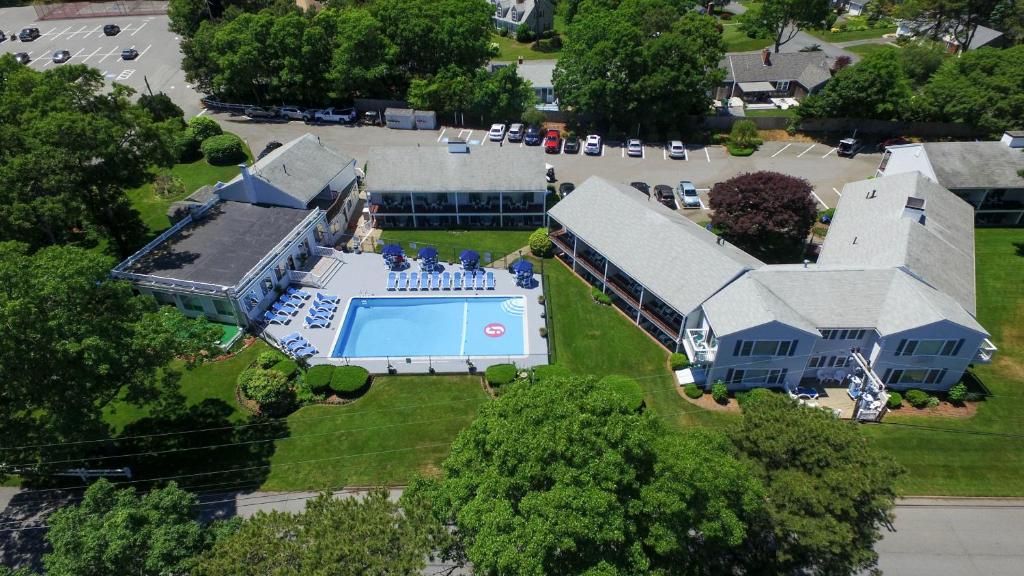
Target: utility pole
[{"x": 147, "y": 85}]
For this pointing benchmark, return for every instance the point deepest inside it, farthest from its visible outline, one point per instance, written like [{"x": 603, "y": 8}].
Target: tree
[
  {"x": 432, "y": 34},
  {"x": 957, "y": 18},
  {"x": 1008, "y": 16},
  {"x": 744, "y": 134},
  {"x": 337, "y": 536},
  {"x": 921, "y": 59},
  {"x": 875, "y": 88},
  {"x": 984, "y": 88},
  {"x": 500, "y": 95},
  {"x": 565, "y": 476},
  {"x": 645, "y": 62},
  {"x": 161, "y": 107},
  {"x": 268, "y": 388},
  {"x": 540, "y": 242},
  {"x": 114, "y": 531},
  {"x": 829, "y": 490},
  {"x": 781, "y": 20},
  {"x": 765, "y": 213}
]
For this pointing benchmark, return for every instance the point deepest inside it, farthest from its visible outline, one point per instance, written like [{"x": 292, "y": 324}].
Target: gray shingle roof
[
  {"x": 874, "y": 233},
  {"x": 976, "y": 164},
  {"x": 676, "y": 259},
  {"x": 538, "y": 72},
  {"x": 810, "y": 69},
  {"x": 301, "y": 168},
  {"x": 392, "y": 169}
]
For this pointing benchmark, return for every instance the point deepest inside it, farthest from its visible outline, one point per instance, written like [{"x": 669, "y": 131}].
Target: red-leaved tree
[{"x": 765, "y": 213}]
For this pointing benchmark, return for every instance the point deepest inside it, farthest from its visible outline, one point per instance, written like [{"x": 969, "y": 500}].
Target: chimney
[
  {"x": 248, "y": 187},
  {"x": 914, "y": 209},
  {"x": 766, "y": 57},
  {"x": 519, "y": 60}
]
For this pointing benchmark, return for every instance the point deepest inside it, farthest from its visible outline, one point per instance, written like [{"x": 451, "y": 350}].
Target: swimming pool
[{"x": 433, "y": 326}]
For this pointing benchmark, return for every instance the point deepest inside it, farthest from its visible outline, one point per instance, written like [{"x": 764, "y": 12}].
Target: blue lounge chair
[
  {"x": 414, "y": 281},
  {"x": 293, "y": 337},
  {"x": 304, "y": 352},
  {"x": 479, "y": 280},
  {"x": 446, "y": 281},
  {"x": 426, "y": 282},
  {"x": 436, "y": 281},
  {"x": 298, "y": 344},
  {"x": 276, "y": 318},
  {"x": 321, "y": 297},
  {"x": 392, "y": 281},
  {"x": 490, "y": 280},
  {"x": 280, "y": 308},
  {"x": 290, "y": 300},
  {"x": 320, "y": 313},
  {"x": 403, "y": 281},
  {"x": 295, "y": 292},
  {"x": 458, "y": 280},
  {"x": 317, "y": 322}
]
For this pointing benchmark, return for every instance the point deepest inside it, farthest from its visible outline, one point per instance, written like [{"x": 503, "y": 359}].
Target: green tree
[
  {"x": 781, "y": 20},
  {"x": 114, "y": 531},
  {"x": 337, "y": 536},
  {"x": 921, "y": 59},
  {"x": 540, "y": 242},
  {"x": 498, "y": 96},
  {"x": 161, "y": 107},
  {"x": 829, "y": 490},
  {"x": 1008, "y": 16},
  {"x": 432, "y": 34},
  {"x": 565, "y": 476},
  {"x": 875, "y": 88},
  {"x": 957, "y": 18},
  {"x": 744, "y": 134},
  {"x": 363, "y": 58}
]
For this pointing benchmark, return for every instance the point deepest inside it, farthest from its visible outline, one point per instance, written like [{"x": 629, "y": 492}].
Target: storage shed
[
  {"x": 400, "y": 118},
  {"x": 425, "y": 119}
]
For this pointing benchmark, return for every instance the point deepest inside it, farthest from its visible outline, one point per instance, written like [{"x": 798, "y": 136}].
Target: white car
[
  {"x": 335, "y": 115},
  {"x": 592, "y": 145},
  {"x": 634, "y": 147},
  {"x": 515, "y": 133},
  {"x": 496, "y": 133},
  {"x": 676, "y": 149},
  {"x": 291, "y": 112}
]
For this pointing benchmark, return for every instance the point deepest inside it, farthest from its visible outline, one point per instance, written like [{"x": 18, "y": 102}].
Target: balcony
[
  {"x": 703, "y": 343},
  {"x": 985, "y": 352},
  {"x": 391, "y": 208}
]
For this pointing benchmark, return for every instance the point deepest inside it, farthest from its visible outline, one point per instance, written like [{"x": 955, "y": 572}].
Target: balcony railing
[
  {"x": 985, "y": 352},
  {"x": 704, "y": 344}
]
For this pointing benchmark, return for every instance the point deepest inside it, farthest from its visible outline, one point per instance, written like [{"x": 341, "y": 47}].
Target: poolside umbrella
[
  {"x": 523, "y": 270},
  {"x": 469, "y": 258},
  {"x": 428, "y": 253},
  {"x": 392, "y": 250}
]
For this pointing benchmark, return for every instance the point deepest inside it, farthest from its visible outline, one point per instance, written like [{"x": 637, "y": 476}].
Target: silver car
[
  {"x": 634, "y": 147},
  {"x": 676, "y": 149},
  {"x": 688, "y": 197},
  {"x": 291, "y": 112}
]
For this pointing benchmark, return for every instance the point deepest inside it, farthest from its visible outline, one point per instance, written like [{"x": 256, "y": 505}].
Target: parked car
[
  {"x": 897, "y": 141},
  {"x": 515, "y": 133},
  {"x": 634, "y": 147},
  {"x": 22, "y": 58},
  {"x": 28, "y": 34},
  {"x": 291, "y": 112},
  {"x": 372, "y": 118},
  {"x": 256, "y": 112},
  {"x": 61, "y": 56},
  {"x": 663, "y": 194},
  {"x": 571, "y": 145},
  {"x": 552, "y": 142},
  {"x": 676, "y": 149},
  {"x": 340, "y": 115},
  {"x": 3, "y": 36},
  {"x": 688, "y": 196},
  {"x": 270, "y": 147},
  {"x": 129, "y": 54},
  {"x": 496, "y": 133},
  {"x": 848, "y": 147},
  {"x": 111, "y": 30},
  {"x": 642, "y": 186},
  {"x": 565, "y": 188},
  {"x": 593, "y": 145},
  {"x": 532, "y": 136}
]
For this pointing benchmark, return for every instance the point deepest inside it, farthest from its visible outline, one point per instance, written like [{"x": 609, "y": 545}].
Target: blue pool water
[{"x": 433, "y": 326}]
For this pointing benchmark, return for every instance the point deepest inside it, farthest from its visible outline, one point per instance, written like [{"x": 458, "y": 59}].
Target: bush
[
  {"x": 549, "y": 371},
  {"x": 306, "y": 395},
  {"x": 167, "y": 185},
  {"x": 288, "y": 367},
  {"x": 917, "y": 398},
  {"x": 693, "y": 391},
  {"x": 268, "y": 388},
  {"x": 500, "y": 374},
  {"x": 186, "y": 147},
  {"x": 744, "y": 134},
  {"x": 958, "y": 393},
  {"x": 540, "y": 243},
  {"x": 735, "y": 150},
  {"x": 203, "y": 127},
  {"x": 523, "y": 33},
  {"x": 626, "y": 388},
  {"x": 318, "y": 377},
  {"x": 719, "y": 138},
  {"x": 895, "y": 400},
  {"x": 720, "y": 392},
  {"x": 269, "y": 358},
  {"x": 503, "y": 32},
  {"x": 349, "y": 379},
  {"x": 543, "y": 332},
  {"x": 933, "y": 402},
  {"x": 161, "y": 107},
  {"x": 223, "y": 150},
  {"x": 679, "y": 361},
  {"x": 601, "y": 297}
]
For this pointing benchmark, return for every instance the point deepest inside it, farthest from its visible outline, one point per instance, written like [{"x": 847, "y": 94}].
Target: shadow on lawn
[{"x": 1019, "y": 246}]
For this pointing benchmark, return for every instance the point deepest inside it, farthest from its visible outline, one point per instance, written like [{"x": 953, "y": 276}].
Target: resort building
[
  {"x": 239, "y": 244},
  {"x": 458, "y": 186},
  {"x": 893, "y": 290},
  {"x": 985, "y": 174}
]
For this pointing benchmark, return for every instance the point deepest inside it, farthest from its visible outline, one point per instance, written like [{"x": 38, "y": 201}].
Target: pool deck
[{"x": 365, "y": 276}]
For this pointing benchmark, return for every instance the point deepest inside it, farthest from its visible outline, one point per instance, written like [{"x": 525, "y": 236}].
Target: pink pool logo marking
[{"x": 494, "y": 330}]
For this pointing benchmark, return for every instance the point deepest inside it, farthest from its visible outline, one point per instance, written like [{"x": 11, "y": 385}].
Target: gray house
[
  {"x": 539, "y": 73},
  {"x": 538, "y": 15},
  {"x": 759, "y": 76}
]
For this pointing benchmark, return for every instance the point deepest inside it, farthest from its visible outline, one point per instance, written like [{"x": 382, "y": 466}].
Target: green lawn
[
  {"x": 851, "y": 34},
  {"x": 737, "y": 41},
  {"x": 450, "y": 243},
  {"x": 865, "y": 49},
  {"x": 510, "y": 49},
  {"x": 983, "y": 455},
  {"x": 775, "y": 112}
]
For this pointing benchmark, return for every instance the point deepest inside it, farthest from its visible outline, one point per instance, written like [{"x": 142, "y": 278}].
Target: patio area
[{"x": 366, "y": 276}]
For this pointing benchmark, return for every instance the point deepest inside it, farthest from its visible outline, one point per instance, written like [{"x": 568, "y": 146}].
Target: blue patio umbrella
[
  {"x": 428, "y": 253},
  {"x": 469, "y": 256},
  {"x": 392, "y": 250},
  {"x": 523, "y": 267}
]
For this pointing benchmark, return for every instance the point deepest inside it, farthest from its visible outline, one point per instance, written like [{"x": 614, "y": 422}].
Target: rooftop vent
[
  {"x": 766, "y": 57},
  {"x": 914, "y": 209},
  {"x": 871, "y": 194}
]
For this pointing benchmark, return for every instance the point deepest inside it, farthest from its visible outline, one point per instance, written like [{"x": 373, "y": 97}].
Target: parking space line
[
  {"x": 806, "y": 151},
  {"x": 664, "y": 155},
  {"x": 602, "y": 150},
  {"x": 79, "y": 31},
  {"x": 819, "y": 200},
  {"x": 205, "y": 110},
  {"x": 90, "y": 32},
  {"x": 108, "y": 54},
  {"x": 707, "y": 154},
  {"x": 838, "y": 193},
  {"x": 622, "y": 153},
  {"x": 58, "y": 34},
  {"x": 143, "y": 53},
  {"x": 686, "y": 155},
  {"x": 136, "y": 31},
  {"x": 75, "y": 55},
  {"x": 443, "y": 130},
  {"x": 48, "y": 32},
  {"x": 829, "y": 152},
  {"x": 781, "y": 151},
  {"x": 86, "y": 59}
]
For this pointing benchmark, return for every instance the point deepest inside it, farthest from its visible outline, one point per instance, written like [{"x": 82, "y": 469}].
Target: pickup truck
[{"x": 340, "y": 115}]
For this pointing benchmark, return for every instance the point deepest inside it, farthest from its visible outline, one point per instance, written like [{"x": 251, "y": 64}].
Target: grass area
[
  {"x": 450, "y": 243},
  {"x": 983, "y": 455},
  {"x": 737, "y": 41},
  {"x": 773, "y": 113},
  {"x": 510, "y": 49},
  {"x": 866, "y": 49},
  {"x": 850, "y": 35}
]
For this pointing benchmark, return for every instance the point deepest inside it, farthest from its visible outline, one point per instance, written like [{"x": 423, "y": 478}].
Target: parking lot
[{"x": 159, "y": 59}]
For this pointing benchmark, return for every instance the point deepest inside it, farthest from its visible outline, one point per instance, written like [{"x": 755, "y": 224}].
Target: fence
[
  {"x": 848, "y": 125},
  {"x": 63, "y": 10}
]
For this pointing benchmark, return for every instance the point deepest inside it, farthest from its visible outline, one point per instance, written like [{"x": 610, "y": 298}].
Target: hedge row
[{"x": 339, "y": 379}]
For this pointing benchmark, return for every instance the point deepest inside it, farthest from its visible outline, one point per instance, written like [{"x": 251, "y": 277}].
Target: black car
[
  {"x": 642, "y": 186},
  {"x": 129, "y": 54},
  {"x": 533, "y": 136},
  {"x": 571, "y": 146},
  {"x": 664, "y": 195},
  {"x": 28, "y": 34},
  {"x": 22, "y": 58},
  {"x": 61, "y": 56},
  {"x": 271, "y": 146},
  {"x": 2, "y": 36},
  {"x": 565, "y": 188},
  {"x": 111, "y": 29}
]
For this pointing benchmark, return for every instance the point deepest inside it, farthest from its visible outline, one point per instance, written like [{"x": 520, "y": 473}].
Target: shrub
[
  {"x": 740, "y": 151},
  {"x": 349, "y": 379},
  {"x": 543, "y": 332},
  {"x": 693, "y": 391},
  {"x": 203, "y": 127},
  {"x": 600, "y": 297},
  {"x": 268, "y": 388},
  {"x": 719, "y": 138},
  {"x": 167, "y": 185},
  {"x": 743, "y": 134},
  {"x": 269, "y": 358},
  {"x": 895, "y": 400},
  {"x": 958, "y": 393},
  {"x": 626, "y": 388},
  {"x": 161, "y": 107},
  {"x": 917, "y": 398},
  {"x": 500, "y": 374},
  {"x": 720, "y": 392},
  {"x": 306, "y": 395},
  {"x": 503, "y": 32},
  {"x": 679, "y": 361},
  {"x": 223, "y": 150},
  {"x": 523, "y": 33},
  {"x": 549, "y": 371},
  {"x": 318, "y": 377},
  {"x": 533, "y": 116},
  {"x": 186, "y": 147},
  {"x": 288, "y": 367},
  {"x": 540, "y": 243},
  {"x": 933, "y": 402}
]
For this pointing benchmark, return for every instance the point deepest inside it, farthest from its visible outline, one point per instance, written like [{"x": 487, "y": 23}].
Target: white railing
[
  {"x": 305, "y": 278},
  {"x": 328, "y": 252},
  {"x": 985, "y": 351},
  {"x": 704, "y": 348},
  {"x": 166, "y": 234},
  {"x": 170, "y": 282},
  {"x": 278, "y": 250}
]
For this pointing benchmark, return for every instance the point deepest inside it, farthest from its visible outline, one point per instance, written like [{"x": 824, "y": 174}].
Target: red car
[{"x": 552, "y": 142}]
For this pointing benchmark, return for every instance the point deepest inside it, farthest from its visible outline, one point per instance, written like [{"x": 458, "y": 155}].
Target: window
[
  {"x": 755, "y": 377},
  {"x": 834, "y": 334},
  {"x": 267, "y": 285},
  {"x": 782, "y": 86},
  {"x": 816, "y": 362},
  {"x": 192, "y": 304},
  {"x": 929, "y": 347},
  {"x": 223, "y": 307},
  {"x": 764, "y": 348},
  {"x": 916, "y": 376},
  {"x": 164, "y": 298}
]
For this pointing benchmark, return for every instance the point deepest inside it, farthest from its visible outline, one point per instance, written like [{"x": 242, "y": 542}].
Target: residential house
[
  {"x": 985, "y": 174},
  {"x": 983, "y": 36},
  {"x": 538, "y": 15},
  {"x": 759, "y": 76},
  {"x": 852, "y": 7},
  {"x": 235, "y": 246},
  {"x": 539, "y": 73},
  {"x": 455, "y": 186}
]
